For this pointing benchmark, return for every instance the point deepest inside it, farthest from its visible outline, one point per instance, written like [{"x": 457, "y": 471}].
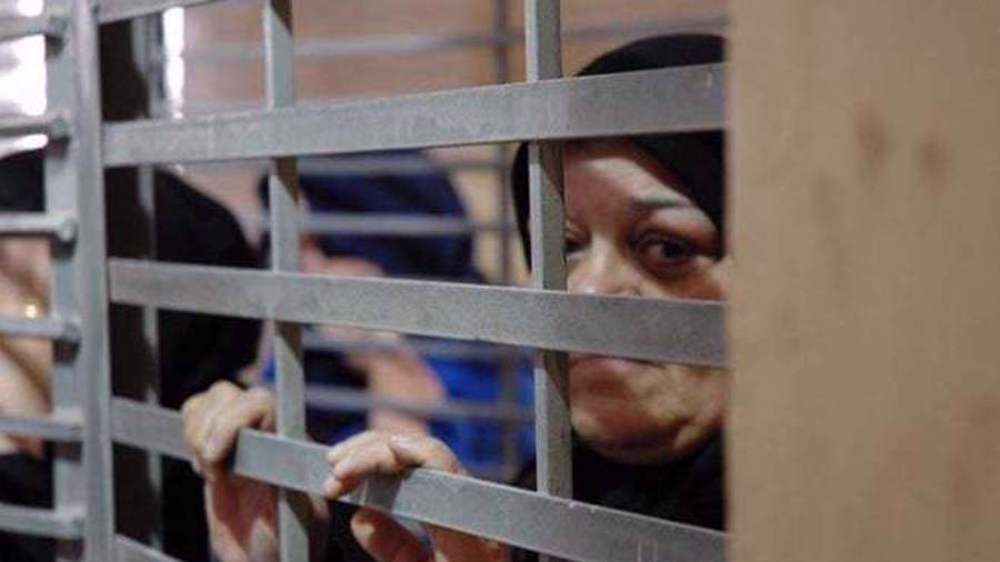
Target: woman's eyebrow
[{"x": 649, "y": 203}]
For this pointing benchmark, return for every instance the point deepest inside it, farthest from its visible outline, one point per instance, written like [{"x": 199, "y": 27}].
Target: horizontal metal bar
[
  {"x": 360, "y": 166},
  {"x": 128, "y": 550},
  {"x": 351, "y": 400},
  {"x": 41, "y": 522},
  {"x": 60, "y": 225},
  {"x": 50, "y": 328},
  {"x": 431, "y": 347},
  {"x": 522, "y": 518},
  {"x": 680, "y": 331},
  {"x": 53, "y": 125},
  {"x": 48, "y": 428},
  {"x": 49, "y": 25},
  {"x": 377, "y": 224},
  {"x": 416, "y": 43},
  {"x": 115, "y": 10},
  {"x": 666, "y": 100}
]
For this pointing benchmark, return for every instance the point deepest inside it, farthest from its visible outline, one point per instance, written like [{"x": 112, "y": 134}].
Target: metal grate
[{"x": 87, "y": 419}]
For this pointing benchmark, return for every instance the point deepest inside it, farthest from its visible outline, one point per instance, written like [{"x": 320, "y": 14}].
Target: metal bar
[
  {"x": 81, "y": 381},
  {"x": 60, "y": 225},
  {"x": 49, "y": 328},
  {"x": 673, "y": 330},
  {"x": 518, "y": 517},
  {"x": 41, "y": 522},
  {"x": 378, "y": 224},
  {"x": 512, "y": 462},
  {"x": 595, "y": 106},
  {"x": 115, "y": 10},
  {"x": 432, "y": 347},
  {"x": 50, "y": 25},
  {"x": 351, "y": 400},
  {"x": 279, "y": 70},
  {"x": 417, "y": 43},
  {"x": 359, "y": 166},
  {"x": 553, "y": 435},
  {"x": 127, "y": 550},
  {"x": 48, "y": 428},
  {"x": 147, "y": 45},
  {"x": 54, "y": 125}
]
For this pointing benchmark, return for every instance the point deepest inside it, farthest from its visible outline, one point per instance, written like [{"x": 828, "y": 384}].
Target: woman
[{"x": 644, "y": 218}]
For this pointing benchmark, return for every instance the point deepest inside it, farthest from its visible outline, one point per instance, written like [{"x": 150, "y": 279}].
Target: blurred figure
[
  {"x": 382, "y": 362},
  {"x": 195, "y": 350}
]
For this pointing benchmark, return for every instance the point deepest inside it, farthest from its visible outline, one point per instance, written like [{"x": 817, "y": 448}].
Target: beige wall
[{"x": 866, "y": 406}]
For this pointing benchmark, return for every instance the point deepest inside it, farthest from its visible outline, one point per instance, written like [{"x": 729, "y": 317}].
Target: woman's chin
[{"x": 622, "y": 438}]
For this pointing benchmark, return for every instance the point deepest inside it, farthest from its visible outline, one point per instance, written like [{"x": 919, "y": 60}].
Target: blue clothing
[
  {"x": 477, "y": 443},
  {"x": 428, "y": 191}
]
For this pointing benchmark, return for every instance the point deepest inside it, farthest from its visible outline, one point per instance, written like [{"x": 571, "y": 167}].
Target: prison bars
[
  {"x": 675, "y": 330},
  {"x": 62, "y": 226},
  {"x": 647, "y": 545},
  {"x": 522, "y": 518},
  {"x": 279, "y": 70},
  {"x": 416, "y": 43},
  {"x": 597, "y": 106},
  {"x": 81, "y": 380}
]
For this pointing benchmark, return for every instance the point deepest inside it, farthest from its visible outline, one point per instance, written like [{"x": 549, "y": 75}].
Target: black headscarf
[{"x": 696, "y": 159}]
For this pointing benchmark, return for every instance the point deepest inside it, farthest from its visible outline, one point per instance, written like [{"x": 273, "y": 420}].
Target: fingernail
[
  {"x": 332, "y": 488},
  {"x": 404, "y": 440},
  {"x": 341, "y": 468},
  {"x": 363, "y": 530}
]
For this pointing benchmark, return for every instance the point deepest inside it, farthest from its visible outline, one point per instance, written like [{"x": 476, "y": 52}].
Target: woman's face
[{"x": 632, "y": 231}]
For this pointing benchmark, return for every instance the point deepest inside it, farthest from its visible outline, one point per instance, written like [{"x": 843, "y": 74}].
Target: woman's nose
[{"x": 602, "y": 272}]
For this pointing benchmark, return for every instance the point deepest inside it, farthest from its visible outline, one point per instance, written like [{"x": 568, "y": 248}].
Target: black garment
[
  {"x": 689, "y": 491},
  {"x": 25, "y": 481}
]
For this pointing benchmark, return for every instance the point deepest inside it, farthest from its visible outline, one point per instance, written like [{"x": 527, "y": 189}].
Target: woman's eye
[
  {"x": 658, "y": 251},
  {"x": 573, "y": 245}
]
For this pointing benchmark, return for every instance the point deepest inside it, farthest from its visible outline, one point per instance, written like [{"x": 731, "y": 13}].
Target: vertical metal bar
[
  {"x": 147, "y": 37},
  {"x": 508, "y": 367},
  {"x": 284, "y": 193},
  {"x": 553, "y": 436},
  {"x": 81, "y": 373}
]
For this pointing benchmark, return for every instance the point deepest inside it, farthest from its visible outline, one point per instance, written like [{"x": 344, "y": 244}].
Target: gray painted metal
[
  {"x": 411, "y": 44},
  {"x": 74, "y": 184},
  {"x": 556, "y": 526},
  {"x": 147, "y": 49},
  {"x": 553, "y": 436},
  {"x": 41, "y": 522},
  {"x": 127, "y": 550},
  {"x": 433, "y": 347},
  {"x": 681, "y": 331},
  {"x": 60, "y": 225},
  {"x": 350, "y": 400},
  {"x": 50, "y": 25},
  {"x": 279, "y": 72},
  {"x": 372, "y": 224},
  {"x": 546, "y": 110},
  {"x": 358, "y": 165},
  {"x": 48, "y": 428},
  {"x": 53, "y": 124},
  {"x": 114, "y": 10},
  {"x": 49, "y": 328}
]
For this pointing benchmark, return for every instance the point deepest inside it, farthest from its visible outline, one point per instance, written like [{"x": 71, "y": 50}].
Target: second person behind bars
[{"x": 644, "y": 218}]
